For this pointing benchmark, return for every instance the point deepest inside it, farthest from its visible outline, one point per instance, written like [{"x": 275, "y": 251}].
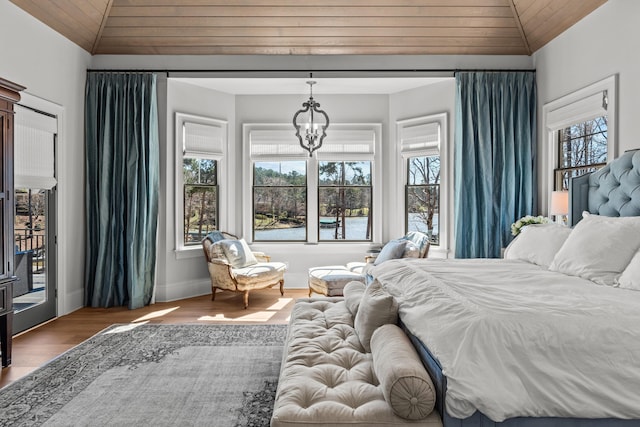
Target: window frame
[
  {"x": 312, "y": 177},
  {"x": 409, "y": 186},
  {"x": 253, "y": 192},
  {"x": 559, "y": 169},
  {"x": 576, "y": 107},
  {"x": 345, "y": 187},
  {"x": 181, "y": 249},
  {"x": 440, "y": 148}
]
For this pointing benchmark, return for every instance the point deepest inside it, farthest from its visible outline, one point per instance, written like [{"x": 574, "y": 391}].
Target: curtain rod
[{"x": 400, "y": 70}]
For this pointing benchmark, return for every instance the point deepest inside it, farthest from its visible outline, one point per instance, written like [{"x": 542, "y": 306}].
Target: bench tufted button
[{"x": 414, "y": 401}]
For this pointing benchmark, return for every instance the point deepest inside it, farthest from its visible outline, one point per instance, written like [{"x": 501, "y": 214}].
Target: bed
[{"x": 549, "y": 336}]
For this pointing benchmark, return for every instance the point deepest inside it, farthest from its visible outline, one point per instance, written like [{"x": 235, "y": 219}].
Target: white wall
[
  {"x": 604, "y": 43},
  {"x": 53, "y": 68},
  {"x": 433, "y": 99}
]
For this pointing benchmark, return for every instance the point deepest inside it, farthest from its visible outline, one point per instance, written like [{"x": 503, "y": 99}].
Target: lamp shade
[{"x": 559, "y": 203}]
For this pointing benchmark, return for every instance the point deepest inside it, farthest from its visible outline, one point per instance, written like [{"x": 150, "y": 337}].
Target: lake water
[{"x": 356, "y": 230}]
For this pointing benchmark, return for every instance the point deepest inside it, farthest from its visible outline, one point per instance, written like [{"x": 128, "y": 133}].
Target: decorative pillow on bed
[
  {"x": 599, "y": 248},
  {"x": 353, "y": 292},
  {"x": 405, "y": 383},
  {"x": 630, "y": 278},
  {"x": 538, "y": 243},
  {"x": 392, "y": 250},
  {"x": 238, "y": 253},
  {"x": 376, "y": 308}
]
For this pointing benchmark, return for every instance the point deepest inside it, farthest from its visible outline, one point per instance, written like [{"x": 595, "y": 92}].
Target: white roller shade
[
  {"x": 420, "y": 138},
  {"x": 275, "y": 143},
  {"x": 34, "y": 155},
  {"x": 203, "y": 141},
  {"x": 355, "y": 142},
  {"x": 269, "y": 143},
  {"x": 580, "y": 111}
]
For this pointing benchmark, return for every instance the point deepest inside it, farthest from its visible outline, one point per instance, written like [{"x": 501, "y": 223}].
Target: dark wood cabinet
[{"x": 9, "y": 95}]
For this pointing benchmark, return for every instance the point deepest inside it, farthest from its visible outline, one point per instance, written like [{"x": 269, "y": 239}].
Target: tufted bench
[{"x": 327, "y": 378}]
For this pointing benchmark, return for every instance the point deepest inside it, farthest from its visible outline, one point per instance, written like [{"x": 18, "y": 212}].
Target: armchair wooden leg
[
  {"x": 246, "y": 299},
  {"x": 213, "y": 294},
  {"x": 282, "y": 287}
]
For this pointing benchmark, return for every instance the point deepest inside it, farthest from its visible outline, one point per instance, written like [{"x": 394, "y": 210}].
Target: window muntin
[
  {"x": 344, "y": 200},
  {"x": 200, "y": 190},
  {"x": 582, "y": 148},
  {"x": 280, "y": 201},
  {"x": 423, "y": 196}
]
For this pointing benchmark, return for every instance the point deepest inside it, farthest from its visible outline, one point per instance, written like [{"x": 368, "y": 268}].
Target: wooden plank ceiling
[{"x": 310, "y": 27}]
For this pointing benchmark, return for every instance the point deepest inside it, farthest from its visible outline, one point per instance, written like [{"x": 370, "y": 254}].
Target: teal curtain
[
  {"x": 122, "y": 183},
  {"x": 495, "y": 159}
]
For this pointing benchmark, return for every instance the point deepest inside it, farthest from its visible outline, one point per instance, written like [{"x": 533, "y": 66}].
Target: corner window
[
  {"x": 201, "y": 143},
  {"x": 200, "y": 198},
  {"x": 421, "y": 143},
  {"x": 423, "y": 196},
  {"x": 580, "y": 135},
  {"x": 582, "y": 148}
]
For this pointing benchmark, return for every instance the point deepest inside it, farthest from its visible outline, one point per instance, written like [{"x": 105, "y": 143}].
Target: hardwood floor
[{"x": 35, "y": 347}]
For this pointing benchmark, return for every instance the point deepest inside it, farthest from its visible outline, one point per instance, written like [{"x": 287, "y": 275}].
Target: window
[
  {"x": 423, "y": 196},
  {"x": 580, "y": 132},
  {"x": 582, "y": 148},
  {"x": 325, "y": 198},
  {"x": 280, "y": 201},
  {"x": 344, "y": 200},
  {"x": 201, "y": 143},
  {"x": 420, "y": 142},
  {"x": 200, "y": 198}
]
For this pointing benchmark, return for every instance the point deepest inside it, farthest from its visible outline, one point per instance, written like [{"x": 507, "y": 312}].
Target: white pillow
[
  {"x": 630, "y": 278},
  {"x": 599, "y": 248},
  {"x": 538, "y": 243},
  {"x": 238, "y": 253}
]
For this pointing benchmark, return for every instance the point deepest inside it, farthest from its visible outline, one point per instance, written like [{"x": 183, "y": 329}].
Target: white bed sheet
[{"x": 515, "y": 339}]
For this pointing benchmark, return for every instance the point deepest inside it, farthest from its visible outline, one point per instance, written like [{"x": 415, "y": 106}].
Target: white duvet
[{"x": 515, "y": 339}]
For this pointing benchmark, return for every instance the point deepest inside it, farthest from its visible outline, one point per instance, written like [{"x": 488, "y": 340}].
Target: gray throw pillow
[
  {"x": 392, "y": 250},
  {"x": 376, "y": 308},
  {"x": 353, "y": 292}
]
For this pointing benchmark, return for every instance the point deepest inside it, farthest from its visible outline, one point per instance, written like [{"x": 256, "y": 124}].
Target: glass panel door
[{"x": 34, "y": 291}]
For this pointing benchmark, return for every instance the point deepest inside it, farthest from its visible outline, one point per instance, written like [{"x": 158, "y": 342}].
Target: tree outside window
[
  {"x": 344, "y": 201},
  {"x": 280, "y": 201},
  {"x": 200, "y": 199},
  {"x": 423, "y": 196},
  {"x": 582, "y": 149}
]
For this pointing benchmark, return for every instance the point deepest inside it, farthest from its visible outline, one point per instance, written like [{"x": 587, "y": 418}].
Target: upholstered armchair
[{"x": 234, "y": 267}]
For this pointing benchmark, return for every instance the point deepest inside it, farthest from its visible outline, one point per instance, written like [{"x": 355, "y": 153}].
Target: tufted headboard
[{"x": 613, "y": 190}]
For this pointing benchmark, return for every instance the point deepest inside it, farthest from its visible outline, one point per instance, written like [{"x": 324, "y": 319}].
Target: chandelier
[{"x": 314, "y": 133}]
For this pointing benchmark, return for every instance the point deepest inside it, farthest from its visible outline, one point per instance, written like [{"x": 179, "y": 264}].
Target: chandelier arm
[
  {"x": 324, "y": 127},
  {"x": 298, "y": 127}
]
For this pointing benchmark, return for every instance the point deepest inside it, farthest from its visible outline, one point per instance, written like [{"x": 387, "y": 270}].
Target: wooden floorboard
[{"x": 37, "y": 346}]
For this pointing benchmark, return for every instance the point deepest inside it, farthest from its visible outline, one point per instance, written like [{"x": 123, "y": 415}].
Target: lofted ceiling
[{"x": 310, "y": 27}]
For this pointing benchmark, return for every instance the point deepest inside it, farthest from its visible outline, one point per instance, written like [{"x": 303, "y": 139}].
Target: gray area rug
[{"x": 154, "y": 375}]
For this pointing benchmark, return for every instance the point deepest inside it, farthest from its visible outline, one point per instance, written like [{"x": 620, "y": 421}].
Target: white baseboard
[
  {"x": 72, "y": 301},
  {"x": 182, "y": 290},
  {"x": 196, "y": 288}
]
